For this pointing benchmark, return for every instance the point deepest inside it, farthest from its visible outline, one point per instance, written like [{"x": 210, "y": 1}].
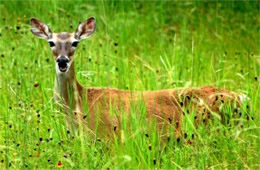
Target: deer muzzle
[{"x": 63, "y": 63}]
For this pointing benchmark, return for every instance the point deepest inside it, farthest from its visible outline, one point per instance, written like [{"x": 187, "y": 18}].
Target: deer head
[{"x": 64, "y": 44}]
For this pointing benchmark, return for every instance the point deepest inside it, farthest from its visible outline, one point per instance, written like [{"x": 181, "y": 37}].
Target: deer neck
[{"x": 69, "y": 90}]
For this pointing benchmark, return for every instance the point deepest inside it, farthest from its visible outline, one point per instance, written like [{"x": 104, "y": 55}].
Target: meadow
[{"x": 137, "y": 46}]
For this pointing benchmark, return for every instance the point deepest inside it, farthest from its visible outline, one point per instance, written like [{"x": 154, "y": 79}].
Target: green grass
[{"x": 161, "y": 45}]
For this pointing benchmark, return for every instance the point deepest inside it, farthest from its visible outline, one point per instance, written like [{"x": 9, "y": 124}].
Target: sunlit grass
[{"x": 137, "y": 46}]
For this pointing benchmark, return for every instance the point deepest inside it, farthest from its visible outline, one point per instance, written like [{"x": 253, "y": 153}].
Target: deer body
[
  {"x": 166, "y": 107},
  {"x": 102, "y": 109}
]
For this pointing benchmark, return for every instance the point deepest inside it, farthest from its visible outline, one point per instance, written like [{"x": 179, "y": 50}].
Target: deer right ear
[
  {"x": 86, "y": 29},
  {"x": 40, "y": 29}
]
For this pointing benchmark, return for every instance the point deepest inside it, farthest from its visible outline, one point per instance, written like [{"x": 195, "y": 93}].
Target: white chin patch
[{"x": 62, "y": 70}]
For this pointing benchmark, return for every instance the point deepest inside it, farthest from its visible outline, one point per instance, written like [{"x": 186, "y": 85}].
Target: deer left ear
[
  {"x": 40, "y": 29},
  {"x": 86, "y": 29}
]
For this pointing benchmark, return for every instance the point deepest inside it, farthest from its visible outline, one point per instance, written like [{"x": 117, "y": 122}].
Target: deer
[{"x": 166, "y": 107}]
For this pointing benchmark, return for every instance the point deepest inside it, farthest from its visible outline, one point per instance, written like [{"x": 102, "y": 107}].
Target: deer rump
[{"x": 108, "y": 108}]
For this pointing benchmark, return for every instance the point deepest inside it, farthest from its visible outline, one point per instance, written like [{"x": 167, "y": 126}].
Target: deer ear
[
  {"x": 86, "y": 29},
  {"x": 40, "y": 29}
]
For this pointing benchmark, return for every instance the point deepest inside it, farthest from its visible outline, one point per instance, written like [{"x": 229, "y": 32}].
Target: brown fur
[
  {"x": 162, "y": 105},
  {"x": 64, "y": 35},
  {"x": 102, "y": 110},
  {"x": 105, "y": 107}
]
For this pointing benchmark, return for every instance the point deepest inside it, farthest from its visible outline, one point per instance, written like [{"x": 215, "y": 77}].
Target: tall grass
[{"x": 137, "y": 46}]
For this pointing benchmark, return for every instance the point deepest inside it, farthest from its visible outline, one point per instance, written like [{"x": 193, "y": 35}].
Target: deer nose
[{"x": 62, "y": 60}]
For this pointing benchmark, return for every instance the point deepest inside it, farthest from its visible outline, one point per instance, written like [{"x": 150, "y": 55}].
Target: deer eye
[
  {"x": 51, "y": 43},
  {"x": 75, "y": 44}
]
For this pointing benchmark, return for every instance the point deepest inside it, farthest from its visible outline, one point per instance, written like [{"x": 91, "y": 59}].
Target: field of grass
[{"x": 137, "y": 46}]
